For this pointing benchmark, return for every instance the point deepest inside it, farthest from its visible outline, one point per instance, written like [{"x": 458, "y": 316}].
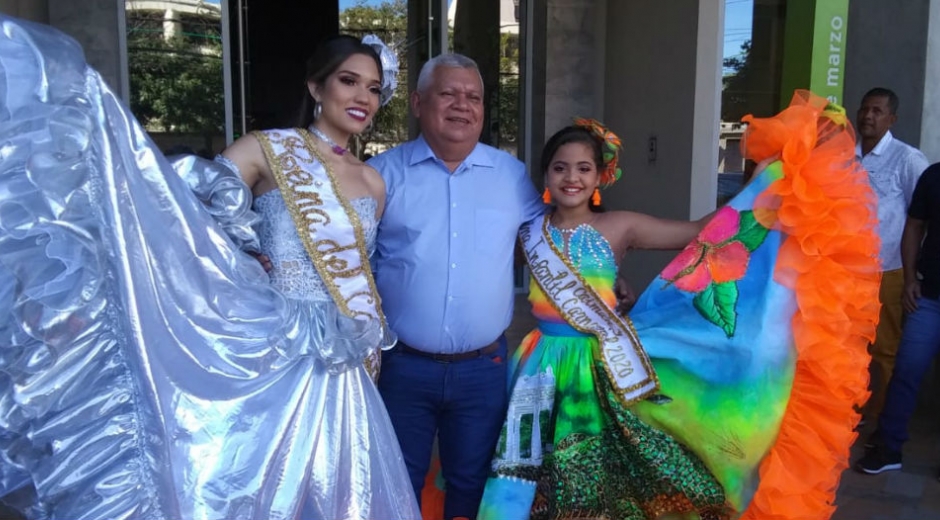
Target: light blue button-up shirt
[
  {"x": 444, "y": 257},
  {"x": 893, "y": 169}
]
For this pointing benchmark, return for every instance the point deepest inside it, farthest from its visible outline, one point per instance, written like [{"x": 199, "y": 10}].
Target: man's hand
[
  {"x": 911, "y": 295},
  {"x": 626, "y": 298},
  {"x": 263, "y": 260}
]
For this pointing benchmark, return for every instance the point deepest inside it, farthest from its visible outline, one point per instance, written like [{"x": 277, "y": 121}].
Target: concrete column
[
  {"x": 97, "y": 26},
  {"x": 662, "y": 97},
  {"x": 172, "y": 27},
  {"x": 706, "y": 118},
  {"x": 32, "y": 10},
  {"x": 887, "y": 47},
  {"x": 574, "y": 62},
  {"x": 930, "y": 117}
]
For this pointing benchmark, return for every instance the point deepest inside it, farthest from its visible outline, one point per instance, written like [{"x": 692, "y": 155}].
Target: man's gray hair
[{"x": 450, "y": 60}]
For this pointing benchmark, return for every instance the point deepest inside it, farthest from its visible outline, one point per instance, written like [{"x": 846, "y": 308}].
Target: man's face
[
  {"x": 874, "y": 117},
  {"x": 451, "y": 107}
]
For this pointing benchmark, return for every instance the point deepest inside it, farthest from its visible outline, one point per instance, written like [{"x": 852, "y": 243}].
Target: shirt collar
[
  {"x": 879, "y": 148},
  {"x": 421, "y": 151}
]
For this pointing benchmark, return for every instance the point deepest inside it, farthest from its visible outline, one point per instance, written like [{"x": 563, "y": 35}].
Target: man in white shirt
[{"x": 893, "y": 170}]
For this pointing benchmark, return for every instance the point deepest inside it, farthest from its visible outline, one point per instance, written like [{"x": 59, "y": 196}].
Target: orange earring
[
  {"x": 546, "y": 197},
  {"x": 596, "y": 198}
]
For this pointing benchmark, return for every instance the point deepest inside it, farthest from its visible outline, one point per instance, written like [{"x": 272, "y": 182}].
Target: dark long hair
[
  {"x": 328, "y": 56},
  {"x": 567, "y": 135}
]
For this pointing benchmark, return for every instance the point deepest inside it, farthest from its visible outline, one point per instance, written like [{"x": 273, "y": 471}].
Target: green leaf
[
  {"x": 751, "y": 233},
  {"x": 716, "y": 304}
]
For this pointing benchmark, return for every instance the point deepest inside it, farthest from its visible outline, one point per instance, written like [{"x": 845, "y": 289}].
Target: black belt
[{"x": 450, "y": 358}]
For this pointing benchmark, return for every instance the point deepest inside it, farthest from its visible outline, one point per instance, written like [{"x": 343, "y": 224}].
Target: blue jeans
[
  {"x": 464, "y": 403},
  {"x": 920, "y": 343}
]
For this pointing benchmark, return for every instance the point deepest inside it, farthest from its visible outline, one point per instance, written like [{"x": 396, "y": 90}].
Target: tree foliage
[
  {"x": 735, "y": 84},
  {"x": 509, "y": 95},
  {"x": 176, "y": 89},
  {"x": 388, "y": 21},
  {"x": 176, "y": 83}
]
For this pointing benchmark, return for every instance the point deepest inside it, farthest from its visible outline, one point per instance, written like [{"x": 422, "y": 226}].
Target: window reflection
[
  {"x": 751, "y": 80},
  {"x": 174, "y": 54}
]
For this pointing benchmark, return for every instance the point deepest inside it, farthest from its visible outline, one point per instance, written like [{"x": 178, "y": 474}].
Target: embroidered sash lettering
[
  {"x": 625, "y": 361},
  {"x": 326, "y": 223}
]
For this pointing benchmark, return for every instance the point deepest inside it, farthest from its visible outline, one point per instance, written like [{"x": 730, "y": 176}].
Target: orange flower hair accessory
[{"x": 610, "y": 149}]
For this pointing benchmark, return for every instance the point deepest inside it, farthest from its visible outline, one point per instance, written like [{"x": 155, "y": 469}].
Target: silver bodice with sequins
[{"x": 293, "y": 273}]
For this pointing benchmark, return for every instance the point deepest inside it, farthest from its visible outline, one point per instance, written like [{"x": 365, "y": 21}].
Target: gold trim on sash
[
  {"x": 304, "y": 195},
  {"x": 612, "y": 331}
]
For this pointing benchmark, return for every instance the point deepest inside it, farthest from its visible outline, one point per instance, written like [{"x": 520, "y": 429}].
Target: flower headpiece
[
  {"x": 389, "y": 60},
  {"x": 610, "y": 149}
]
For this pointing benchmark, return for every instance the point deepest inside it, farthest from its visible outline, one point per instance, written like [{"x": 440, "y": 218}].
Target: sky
[{"x": 738, "y": 16}]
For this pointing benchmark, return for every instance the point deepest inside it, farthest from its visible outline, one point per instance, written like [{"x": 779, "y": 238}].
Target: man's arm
[
  {"x": 911, "y": 240},
  {"x": 913, "y": 236}
]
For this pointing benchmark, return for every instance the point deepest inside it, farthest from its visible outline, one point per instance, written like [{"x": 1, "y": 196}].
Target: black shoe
[
  {"x": 878, "y": 460},
  {"x": 873, "y": 440}
]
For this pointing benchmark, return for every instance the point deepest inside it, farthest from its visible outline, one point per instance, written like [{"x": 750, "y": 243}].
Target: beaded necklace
[{"x": 337, "y": 149}]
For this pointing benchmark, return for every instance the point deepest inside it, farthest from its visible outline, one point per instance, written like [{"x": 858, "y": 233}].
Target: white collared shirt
[{"x": 893, "y": 169}]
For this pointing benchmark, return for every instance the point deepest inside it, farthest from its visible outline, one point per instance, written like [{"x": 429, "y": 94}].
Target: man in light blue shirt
[
  {"x": 443, "y": 268},
  {"x": 893, "y": 169}
]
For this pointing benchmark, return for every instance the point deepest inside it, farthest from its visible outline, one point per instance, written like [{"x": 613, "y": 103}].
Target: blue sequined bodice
[
  {"x": 587, "y": 249},
  {"x": 293, "y": 273},
  {"x": 591, "y": 255}
]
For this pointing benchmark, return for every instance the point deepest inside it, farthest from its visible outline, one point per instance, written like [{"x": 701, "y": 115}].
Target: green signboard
[
  {"x": 814, "y": 48},
  {"x": 827, "y": 72}
]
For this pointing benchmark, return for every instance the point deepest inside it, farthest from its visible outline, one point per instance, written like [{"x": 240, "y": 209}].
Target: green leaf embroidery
[
  {"x": 751, "y": 233},
  {"x": 716, "y": 304}
]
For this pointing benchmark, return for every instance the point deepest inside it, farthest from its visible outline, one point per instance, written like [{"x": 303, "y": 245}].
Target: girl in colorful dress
[{"x": 729, "y": 390}]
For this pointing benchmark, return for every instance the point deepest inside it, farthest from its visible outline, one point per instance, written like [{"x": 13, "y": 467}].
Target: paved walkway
[{"x": 910, "y": 494}]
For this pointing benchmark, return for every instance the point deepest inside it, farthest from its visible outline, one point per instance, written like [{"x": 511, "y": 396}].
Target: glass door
[{"x": 176, "y": 69}]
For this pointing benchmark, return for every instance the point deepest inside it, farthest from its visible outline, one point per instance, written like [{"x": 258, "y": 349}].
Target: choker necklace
[{"x": 337, "y": 149}]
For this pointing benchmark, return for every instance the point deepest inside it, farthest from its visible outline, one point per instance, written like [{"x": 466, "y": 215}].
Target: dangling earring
[
  {"x": 546, "y": 196},
  {"x": 596, "y": 198},
  {"x": 369, "y": 126},
  {"x": 317, "y": 109}
]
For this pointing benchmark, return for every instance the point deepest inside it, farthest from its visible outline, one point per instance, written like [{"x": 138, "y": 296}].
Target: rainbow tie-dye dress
[{"x": 757, "y": 332}]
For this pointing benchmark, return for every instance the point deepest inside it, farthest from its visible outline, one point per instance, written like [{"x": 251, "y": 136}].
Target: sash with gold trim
[
  {"x": 626, "y": 363},
  {"x": 326, "y": 223}
]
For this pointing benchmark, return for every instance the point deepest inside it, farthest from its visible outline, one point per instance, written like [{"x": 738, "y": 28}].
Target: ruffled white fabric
[{"x": 148, "y": 368}]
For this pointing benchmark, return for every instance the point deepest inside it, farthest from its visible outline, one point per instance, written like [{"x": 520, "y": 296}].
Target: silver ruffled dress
[{"x": 149, "y": 368}]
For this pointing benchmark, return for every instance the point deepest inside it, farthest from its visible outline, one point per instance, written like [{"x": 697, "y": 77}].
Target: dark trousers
[
  {"x": 920, "y": 344},
  {"x": 464, "y": 403}
]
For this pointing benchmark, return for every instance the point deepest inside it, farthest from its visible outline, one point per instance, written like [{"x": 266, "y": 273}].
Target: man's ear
[{"x": 415, "y": 104}]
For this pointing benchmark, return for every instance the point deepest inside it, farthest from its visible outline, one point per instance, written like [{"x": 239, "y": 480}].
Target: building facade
[{"x": 656, "y": 72}]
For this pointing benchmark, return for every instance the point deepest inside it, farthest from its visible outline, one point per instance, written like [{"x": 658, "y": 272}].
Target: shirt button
[
  {"x": 453, "y": 266},
  {"x": 450, "y": 298},
  {"x": 454, "y": 234},
  {"x": 453, "y": 205}
]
